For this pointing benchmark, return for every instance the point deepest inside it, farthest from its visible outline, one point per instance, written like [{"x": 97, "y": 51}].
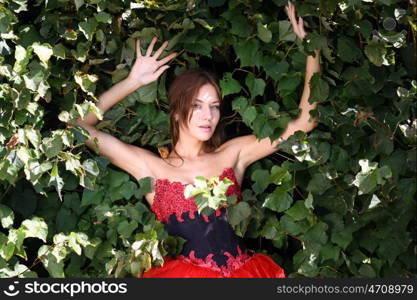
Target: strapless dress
[{"x": 212, "y": 249}]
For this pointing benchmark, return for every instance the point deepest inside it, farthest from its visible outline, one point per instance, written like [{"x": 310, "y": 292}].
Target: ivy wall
[{"x": 338, "y": 202}]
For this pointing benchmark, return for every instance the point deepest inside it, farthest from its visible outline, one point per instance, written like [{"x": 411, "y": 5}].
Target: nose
[{"x": 207, "y": 113}]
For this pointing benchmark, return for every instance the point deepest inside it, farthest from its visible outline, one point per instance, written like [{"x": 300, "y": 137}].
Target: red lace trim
[
  {"x": 169, "y": 198},
  {"x": 233, "y": 263}
]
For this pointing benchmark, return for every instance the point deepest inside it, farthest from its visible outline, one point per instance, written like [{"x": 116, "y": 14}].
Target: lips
[{"x": 206, "y": 128}]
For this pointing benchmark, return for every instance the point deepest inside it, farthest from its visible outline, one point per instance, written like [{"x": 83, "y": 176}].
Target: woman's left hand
[{"x": 297, "y": 27}]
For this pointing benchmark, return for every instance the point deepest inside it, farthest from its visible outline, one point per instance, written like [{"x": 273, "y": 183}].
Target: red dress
[{"x": 212, "y": 248}]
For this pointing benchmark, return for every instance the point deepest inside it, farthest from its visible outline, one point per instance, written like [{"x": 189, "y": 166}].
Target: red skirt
[{"x": 256, "y": 266}]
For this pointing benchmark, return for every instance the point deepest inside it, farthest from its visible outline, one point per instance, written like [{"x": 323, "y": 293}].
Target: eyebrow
[{"x": 198, "y": 100}]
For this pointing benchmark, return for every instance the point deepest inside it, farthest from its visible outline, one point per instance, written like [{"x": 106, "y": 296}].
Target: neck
[{"x": 189, "y": 148}]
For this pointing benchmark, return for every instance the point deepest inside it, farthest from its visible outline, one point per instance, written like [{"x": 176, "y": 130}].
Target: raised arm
[
  {"x": 249, "y": 147},
  {"x": 145, "y": 70}
]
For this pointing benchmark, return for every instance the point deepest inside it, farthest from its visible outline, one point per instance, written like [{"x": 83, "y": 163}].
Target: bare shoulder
[
  {"x": 235, "y": 145},
  {"x": 232, "y": 150},
  {"x": 148, "y": 160},
  {"x": 237, "y": 142},
  {"x": 135, "y": 160},
  {"x": 248, "y": 149}
]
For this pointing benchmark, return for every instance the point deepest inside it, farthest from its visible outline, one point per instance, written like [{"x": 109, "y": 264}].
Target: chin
[{"x": 204, "y": 137}]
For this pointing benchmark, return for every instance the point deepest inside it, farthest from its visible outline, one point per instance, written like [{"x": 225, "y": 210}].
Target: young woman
[{"x": 212, "y": 249}]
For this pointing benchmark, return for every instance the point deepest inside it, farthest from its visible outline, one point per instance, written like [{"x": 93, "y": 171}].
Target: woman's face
[{"x": 205, "y": 113}]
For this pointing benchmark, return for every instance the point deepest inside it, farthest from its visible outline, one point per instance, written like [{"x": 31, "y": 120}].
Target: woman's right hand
[
  {"x": 147, "y": 68},
  {"x": 297, "y": 27}
]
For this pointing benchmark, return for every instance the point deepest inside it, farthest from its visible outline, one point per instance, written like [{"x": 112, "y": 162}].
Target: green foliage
[
  {"x": 338, "y": 202},
  {"x": 209, "y": 194}
]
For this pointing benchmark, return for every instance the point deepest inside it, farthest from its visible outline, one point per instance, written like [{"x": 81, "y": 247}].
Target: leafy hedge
[{"x": 339, "y": 202}]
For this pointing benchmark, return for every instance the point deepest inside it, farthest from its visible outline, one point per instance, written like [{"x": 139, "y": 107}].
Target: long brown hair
[{"x": 181, "y": 94}]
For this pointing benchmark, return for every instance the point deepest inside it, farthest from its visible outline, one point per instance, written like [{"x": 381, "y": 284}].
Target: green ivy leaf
[
  {"x": 6, "y": 216},
  {"x": 256, "y": 85},
  {"x": 376, "y": 53},
  {"x": 86, "y": 82},
  {"x": 249, "y": 115},
  {"x": 329, "y": 252},
  {"x": 56, "y": 180},
  {"x": 279, "y": 175},
  {"x": 43, "y": 51},
  {"x": 35, "y": 81},
  {"x": 274, "y": 67},
  {"x": 59, "y": 51},
  {"x": 318, "y": 184},
  {"x": 145, "y": 187},
  {"x": 229, "y": 85},
  {"x": 239, "y": 212},
  {"x": 73, "y": 244},
  {"x": 51, "y": 146},
  {"x": 35, "y": 227},
  {"x": 370, "y": 176},
  {"x": 239, "y": 104},
  {"x": 288, "y": 84},
  {"x": 7, "y": 250},
  {"x": 279, "y": 200},
  {"x": 271, "y": 229},
  {"x": 298, "y": 211},
  {"x": 34, "y": 136},
  {"x": 342, "y": 238},
  {"x": 240, "y": 24},
  {"x": 103, "y": 17},
  {"x": 78, "y": 3},
  {"x": 88, "y": 28},
  {"x": 209, "y": 194},
  {"x": 285, "y": 32},
  {"x": 248, "y": 52},
  {"x": 347, "y": 50},
  {"x": 199, "y": 46},
  {"x": 22, "y": 57},
  {"x": 92, "y": 197},
  {"x": 81, "y": 51},
  {"x": 264, "y": 33},
  {"x": 147, "y": 93},
  {"x": 66, "y": 220},
  {"x": 260, "y": 178},
  {"x": 289, "y": 225},
  {"x": 319, "y": 89},
  {"x": 317, "y": 234},
  {"x": 125, "y": 228},
  {"x": 49, "y": 261}
]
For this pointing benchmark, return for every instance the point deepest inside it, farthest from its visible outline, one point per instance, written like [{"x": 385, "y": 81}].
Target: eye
[
  {"x": 216, "y": 106},
  {"x": 195, "y": 105}
]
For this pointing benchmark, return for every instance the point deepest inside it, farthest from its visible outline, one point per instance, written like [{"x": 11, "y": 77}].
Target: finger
[
  {"x": 293, "y": 20},
  {"x": 301, "y": 24},
  {"x": 162, "y": 48},
  {"x": 291, "y": 15},
  {"x": 151, "y": 45},
  {"x": 290, "y": 6},
  {"x": 161, "y": 70},
  {"x": 287, "y": 8},
  {"x": 302, "y": 30},
  {"x": 167, "y": 59},
  {"x": 296, "y": 27},
  {"x": 138, "y": 50}
]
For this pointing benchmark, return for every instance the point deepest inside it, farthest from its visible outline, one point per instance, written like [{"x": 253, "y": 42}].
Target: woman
[{"x": 212, "y": 249}]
